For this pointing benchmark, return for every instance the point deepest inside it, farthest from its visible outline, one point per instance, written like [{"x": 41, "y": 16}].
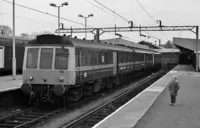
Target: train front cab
[{"x": 46, "y": 69}]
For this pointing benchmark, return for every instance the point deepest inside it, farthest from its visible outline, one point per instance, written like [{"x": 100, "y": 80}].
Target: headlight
[
  {"x": 61, "y": 79},
  {"x": 31, "y": 78}
]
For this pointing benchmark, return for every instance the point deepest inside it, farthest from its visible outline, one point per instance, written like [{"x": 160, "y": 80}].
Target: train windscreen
[
  {"x": 32, "y": 58},
  {"x": 61, "y": 58},
  {"x": 46, "y": 58}
]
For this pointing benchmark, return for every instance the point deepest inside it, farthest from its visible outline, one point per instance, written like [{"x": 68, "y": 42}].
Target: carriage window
[
  {"x": 86, "y": 57},
  {"x": 102, "y": 57},
  {"x": 46, "y": 58},
  {"x": 95, "y": 58},
  {"x": 77, "y": 59},
  {"x": 61, "y": 58},
  {"x": 109, "y": 58},
  {"x": 32, "y": 58}
]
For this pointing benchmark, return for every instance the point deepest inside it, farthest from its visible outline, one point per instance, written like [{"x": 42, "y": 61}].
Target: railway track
[
  {"x": 26, "y": 118},
  {"x": 31, "y": 116},
  {"x": 90, "y": 119}
]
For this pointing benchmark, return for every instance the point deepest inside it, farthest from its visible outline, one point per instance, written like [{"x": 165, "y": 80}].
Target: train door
[
  {"x": 78, "y": 64},
  {"x": 115, "y": 63},
  {"x": 94, "y": 61}
]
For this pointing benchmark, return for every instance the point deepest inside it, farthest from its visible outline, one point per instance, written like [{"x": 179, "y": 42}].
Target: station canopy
[{"x": 186, "y": 43}]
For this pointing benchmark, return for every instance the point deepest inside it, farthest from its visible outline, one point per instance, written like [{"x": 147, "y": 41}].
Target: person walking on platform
[{"x": 173, "y": 89}]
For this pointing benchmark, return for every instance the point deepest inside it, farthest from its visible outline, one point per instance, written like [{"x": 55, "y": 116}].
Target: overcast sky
[{"x": 170, "y": 12}]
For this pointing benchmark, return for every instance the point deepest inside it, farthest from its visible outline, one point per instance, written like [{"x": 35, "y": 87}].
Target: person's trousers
[{"x": 173, "y": 99}]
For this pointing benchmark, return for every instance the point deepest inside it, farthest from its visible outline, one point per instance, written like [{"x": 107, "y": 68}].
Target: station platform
[
  {"x": 8, "y": 84},
  {"x": 152, "y": 108}
]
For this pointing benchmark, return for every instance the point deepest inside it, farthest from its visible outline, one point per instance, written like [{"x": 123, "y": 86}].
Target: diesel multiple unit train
[{"x": 58, "y": 67}]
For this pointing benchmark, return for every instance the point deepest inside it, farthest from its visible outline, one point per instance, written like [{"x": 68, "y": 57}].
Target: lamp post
[
  {"x": 85, "y": 17},
  {"x": 14, "y": 59},
  {"x": 54, "y": 5}
]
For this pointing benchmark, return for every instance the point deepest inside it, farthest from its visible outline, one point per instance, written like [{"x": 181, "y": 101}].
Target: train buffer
[
  {"x": 8, "y": 84},
  {"x": 152, "y": 108}
]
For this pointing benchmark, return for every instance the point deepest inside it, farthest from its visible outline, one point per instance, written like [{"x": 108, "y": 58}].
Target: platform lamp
[
  {"x": 85, "y": 17},
  {"x": 54, "y": 5}
]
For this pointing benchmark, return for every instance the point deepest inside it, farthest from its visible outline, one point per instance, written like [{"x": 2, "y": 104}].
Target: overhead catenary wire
[
  {"x": 150, "y": 16},
  {"x": 45, "y": 13},
  {"x": 99, "y": 7},
  {"x": 22, "y": 17},
  {"x": 111, "y": 10},
  {"x": 65, "y": 18},
  {"x": 146, "y": 11}
]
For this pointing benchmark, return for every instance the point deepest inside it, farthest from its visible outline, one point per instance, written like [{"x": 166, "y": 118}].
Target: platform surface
[
  {"x": 151, "y": 108},
  {"x": 7, "y": 83},
  {"x": 186, "y": 112}
]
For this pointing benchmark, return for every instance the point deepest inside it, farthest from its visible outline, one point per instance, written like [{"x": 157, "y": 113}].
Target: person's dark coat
[{"x": 174, "y": 87}]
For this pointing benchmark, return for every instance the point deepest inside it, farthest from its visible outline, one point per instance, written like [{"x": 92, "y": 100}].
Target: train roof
[
  {"x": 49, "y": 39},
  {"x": 121, "y": 41},
  {"x": 73, "y": 42},
  {"x": 135, "y": 46}
]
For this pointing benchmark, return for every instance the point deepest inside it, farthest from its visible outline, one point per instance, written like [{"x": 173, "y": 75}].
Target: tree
[
  {"x": 5, "y": 30},
  {"x": 25, "y": 35},
  {"x": 34, "y": 34},
  {"x": 169, "y": 44}
]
